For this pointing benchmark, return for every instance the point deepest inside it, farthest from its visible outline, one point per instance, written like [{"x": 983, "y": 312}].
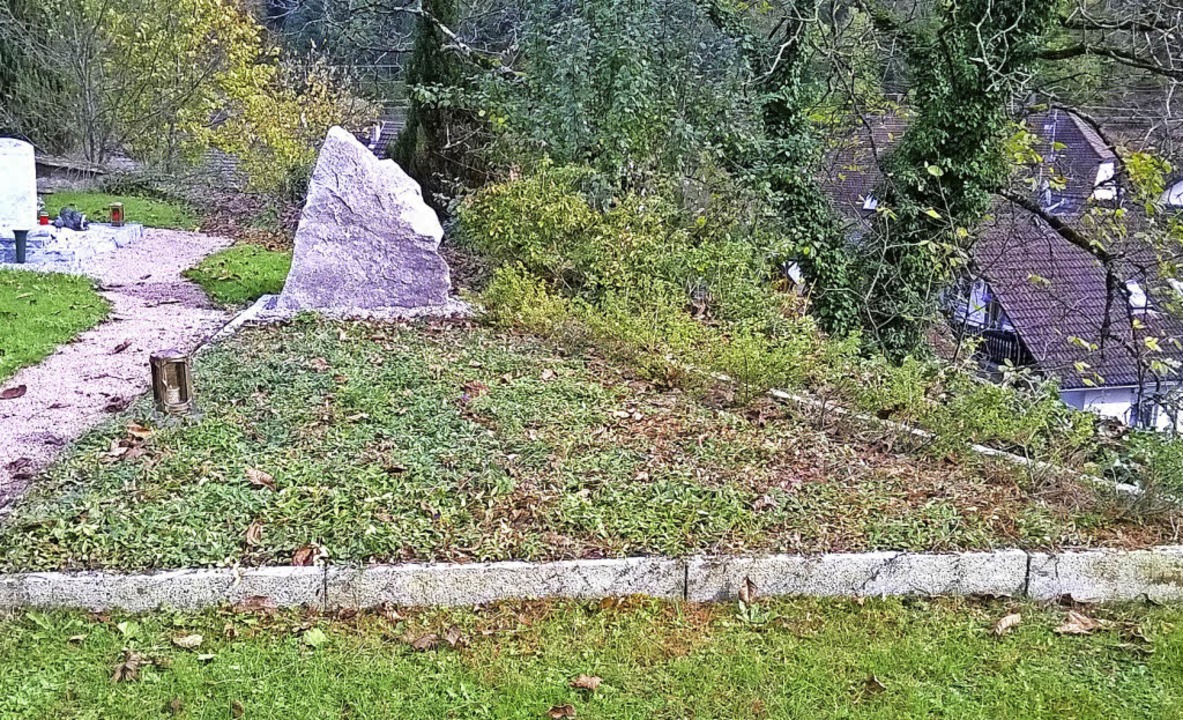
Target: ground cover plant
[
  {"x": 165, "y": 214},
  {"x": 241, "y": 274},
  {"x": 39, "y": 311},
  {"x": 456, "y": 442},
  {"x": 617, "y": 659}
]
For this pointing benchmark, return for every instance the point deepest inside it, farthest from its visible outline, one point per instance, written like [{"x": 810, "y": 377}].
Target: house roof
[
  {"x": 1055, "y": 294},
  {"x": 1057, "y": 297},
  {"x": 1072, "y": 152}
]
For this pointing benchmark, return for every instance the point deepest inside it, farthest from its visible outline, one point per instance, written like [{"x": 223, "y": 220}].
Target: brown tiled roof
[
  {"x": 1072, "y": 152},
  {"x": 1056, "y": 295}
]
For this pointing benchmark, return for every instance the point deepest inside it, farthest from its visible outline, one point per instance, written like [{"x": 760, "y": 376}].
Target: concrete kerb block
[
  {"x": 1001, "y": 573},
  {"x": 177, "y": 589},
  {"x": 458, "y": 585},
  {"x": 1108, "y": 575}
]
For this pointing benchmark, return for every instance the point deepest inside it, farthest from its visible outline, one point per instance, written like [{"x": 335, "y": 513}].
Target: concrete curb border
[{"x": 1086, "y": 576}]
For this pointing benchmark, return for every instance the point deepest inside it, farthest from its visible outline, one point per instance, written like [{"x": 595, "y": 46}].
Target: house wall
[{"x": 1112, "y": 403}]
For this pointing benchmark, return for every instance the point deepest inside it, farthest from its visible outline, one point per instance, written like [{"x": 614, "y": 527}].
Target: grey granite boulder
[{"x": 367, "y": 240}]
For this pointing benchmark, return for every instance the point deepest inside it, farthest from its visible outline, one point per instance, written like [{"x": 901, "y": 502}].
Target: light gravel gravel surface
[{"x": 82, "y": 383}]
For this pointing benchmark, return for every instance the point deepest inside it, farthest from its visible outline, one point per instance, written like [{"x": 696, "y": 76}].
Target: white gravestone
[{"x": 18, "y": 186}]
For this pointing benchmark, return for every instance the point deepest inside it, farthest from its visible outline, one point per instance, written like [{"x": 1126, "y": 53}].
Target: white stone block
[
  {"x": 452, "y": 585},
  {"x": 865, "y": 574},
  {"x": 1108, "y": 575}
]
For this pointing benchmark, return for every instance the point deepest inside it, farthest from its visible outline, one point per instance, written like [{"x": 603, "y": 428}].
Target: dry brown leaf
[
  {"x": 188, "y": 642},
  {"x": 254, "y": 534},
  {"x": 426, "y": 642},
  {"x": 1007, "y": 623},
  {"x": 559, "y": 712},
  {"x": 176, "y": 706},
  {"x": 873, "y": 685},
  {"x": 236, "y": 709},
  {"x": 258, "y": 478},
  {"x": 13, "y": 393},
  {"x": 256, "y": 603},
  {"x": 587, "y": 682},
  {"x": 1079, "y": 624},
  {"x": 139, "y": 431},
  {"x": 747, "y": 591},
  {"x": 121, "y": 347},
  {"x": 76, "y": 639},
  {"x": 548, "y": 374},
  {"x": 454, "y": 637},
  {"x": 304, "y": 556},
  {"x": 129, "y": 669},
  {"x": 319, "y": 364}
]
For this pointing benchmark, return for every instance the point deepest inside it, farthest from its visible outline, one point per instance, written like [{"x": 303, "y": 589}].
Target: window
[
  {"x": 1105, "y": 188},
  {"x": 1139, "y": 303},
  {"x": 1174, "y": 195}
]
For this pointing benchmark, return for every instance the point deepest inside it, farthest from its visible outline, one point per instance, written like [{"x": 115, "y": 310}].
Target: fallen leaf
[
  {"x": 747, "y": 591},
  {"x": 117, "y": 405},
  {"x": 304, "y": 556},
  {"x": 1007, "y": 623},
  {"x": 559, "y": 712},
  {"x": 236, "y": 709},
  {"x": 873, "y": 685},
  {"x": 13, "y": 393},
  {"x": 255, "y": 603},
  {"x": 175, "y": 706},
  {"x": 426, "y": 642},
  {"x": 121, "y": 347},
  {"x": 76, "y": 639},
  {"x": 129, "y": 669},
  {"x": 454, "y": 637},
  {"x": 21, "y": 468},
  {"x": 254, "y": 534},
  {"x": 319, "y": 364},
  {"x": 547, "y": 375},
  {"x": 258, "y": 478},
  {"x": 586, "y": 682},
  {"x": 139, "y": 431},
  {"x": 315, "y": 637},
  {"x": 1079, "y": 624},
  {"x": 188, "y": 642}
]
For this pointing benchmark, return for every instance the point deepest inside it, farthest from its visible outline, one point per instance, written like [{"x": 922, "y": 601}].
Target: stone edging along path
[{"x": 1085, "y": 576}]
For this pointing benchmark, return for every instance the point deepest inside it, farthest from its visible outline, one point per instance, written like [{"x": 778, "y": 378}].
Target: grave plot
[{"x": 357, "y": 442}]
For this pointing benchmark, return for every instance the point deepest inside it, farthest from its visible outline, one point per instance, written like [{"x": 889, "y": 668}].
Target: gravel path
[{"x": 76, "y": 388}]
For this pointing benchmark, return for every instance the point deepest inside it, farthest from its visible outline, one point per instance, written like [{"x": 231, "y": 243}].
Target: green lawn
[
  {"x": 241, "y": 274},
  {"x": 785, "y": 659},
  {"x": 39, "y": 311},
  {"x": 446, "y": 442},
  {"x": 148, "y": 212}
]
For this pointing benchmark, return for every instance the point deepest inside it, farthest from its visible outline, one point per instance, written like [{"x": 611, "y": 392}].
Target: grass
[
  {"x": 39, "y": 311},
  {"x": 241, "y": 274},
  {"x": 446, "y": 442},
  {"x": 149, "y": 212},
  {"x": 781, "y": 659}
]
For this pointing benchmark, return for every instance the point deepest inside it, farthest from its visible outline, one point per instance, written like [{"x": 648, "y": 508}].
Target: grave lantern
[
  {"x": 172, "y": 382},
  {"x": 117, "y": 214}
]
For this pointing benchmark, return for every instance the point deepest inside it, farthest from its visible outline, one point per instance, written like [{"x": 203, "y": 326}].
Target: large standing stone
[
  {"x": 366, "y": 240},
  {"x": 18, "y": 186}
]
